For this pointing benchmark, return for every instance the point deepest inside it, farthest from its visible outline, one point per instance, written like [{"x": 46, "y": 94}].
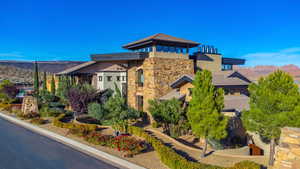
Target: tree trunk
[
  {"x": 272, "y": 152},
  {"x": 204, "y": 148}
]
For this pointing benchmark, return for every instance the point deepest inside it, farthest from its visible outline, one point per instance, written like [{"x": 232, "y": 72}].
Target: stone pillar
[
  {"x": 288, "y": 151},
  {"x": 29, "y": 105}
]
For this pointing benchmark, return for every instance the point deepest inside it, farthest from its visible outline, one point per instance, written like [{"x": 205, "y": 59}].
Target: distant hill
[
  {"x": 16, "y": 75},
  {"x": 44, "y": 66},
  {"x": 254, "y": 73}
]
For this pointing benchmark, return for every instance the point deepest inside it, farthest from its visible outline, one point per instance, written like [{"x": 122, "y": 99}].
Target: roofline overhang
[
  {"x": 181, "y": 80},
  {"x": 233, "y": 61},
  {"x": 126, "y": 56},
  {"x": 157, "y": 42}
]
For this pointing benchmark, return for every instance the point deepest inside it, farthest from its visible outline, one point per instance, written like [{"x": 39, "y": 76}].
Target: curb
[{"x": 73, "y": 144}]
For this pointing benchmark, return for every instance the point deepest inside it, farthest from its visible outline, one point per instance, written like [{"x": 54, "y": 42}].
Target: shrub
[
  {"x": 246, "y": 165},
  {"x": 80, "y": 96},
  {"x": 5, "y": 106},
  {"x": 96, "y": 111},
  {"x": 8, "y": 92},
  {"x": 27, "y": 116},
  {"x": 123, "y": 143},
  {"x": 38, "y": 121},
  {"x": 46, "y": 111},
  {"x": 175, "y": 161},
  {"x": 88, "y": 127}
]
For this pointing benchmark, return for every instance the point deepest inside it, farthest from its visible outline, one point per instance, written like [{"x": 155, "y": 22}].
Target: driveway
[{"x": 23, "y": 149}]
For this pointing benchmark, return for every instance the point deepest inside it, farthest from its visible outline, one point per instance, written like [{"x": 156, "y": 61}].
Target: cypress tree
[
  {"x": 204, "y": 111},
  {"x": 274, "y": 103},
  {"x": 36, "y": 83},
  {"x": 45, "y": 82},
  {"x": 53, "y": 88}
]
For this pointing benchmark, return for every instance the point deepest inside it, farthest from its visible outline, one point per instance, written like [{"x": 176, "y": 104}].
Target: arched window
[{"x": 140, "y": 77}]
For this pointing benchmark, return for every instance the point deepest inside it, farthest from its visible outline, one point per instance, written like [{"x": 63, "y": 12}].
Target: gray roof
[
  {"x": 119, "y": 56},
  {"x": 231, "y": 102},
  {"x": 238, "y": 103},
  {"x": 172, "y": 94},
  {"x": 160, "y": 37},
  {"x": 222, "y": 78},
  {"x": 76, "y": 68}
]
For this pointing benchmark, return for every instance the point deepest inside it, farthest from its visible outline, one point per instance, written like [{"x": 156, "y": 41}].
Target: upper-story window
[
  {"x": 118, "y": 78},
  {"x": 140, "y": 77},
  {"x": 123, "y": 78},
  {"x": 226, "y": 67},
  {"x": 146, "y": 49},
  {"x": 100, "y": 78},
  {"x": 109, "y": 78},
  {"x": 171, "y": 49}
]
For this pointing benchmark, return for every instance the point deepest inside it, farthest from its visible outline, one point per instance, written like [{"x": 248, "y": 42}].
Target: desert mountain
[
  {"x": 44, "y": 66},
  {"x": 254, "y": 73}
]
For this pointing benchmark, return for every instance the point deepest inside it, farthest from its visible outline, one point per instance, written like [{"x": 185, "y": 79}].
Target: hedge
[
  {"x": 88, "y": 127},
  {"x": 175, "y": 161}
]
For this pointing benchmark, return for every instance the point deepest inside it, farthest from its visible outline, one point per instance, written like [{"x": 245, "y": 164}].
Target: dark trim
[
  {"x": 233, "y": 61},
  {"x": 181, "y": 81},
  {"x": 119, "y": 56},
  {"x": 160, "y": 42}
]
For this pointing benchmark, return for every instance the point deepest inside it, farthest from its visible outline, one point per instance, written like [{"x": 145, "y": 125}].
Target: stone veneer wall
[
  {"x": 288, "y": 152},
  {"x": 159, "y": 73},
  {"x": 132, "y": 82}
]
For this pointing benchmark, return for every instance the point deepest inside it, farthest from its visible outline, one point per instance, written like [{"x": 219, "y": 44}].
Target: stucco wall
[
  {"x": 105, "y": 84},
  {"x": 212, "y": 62}
]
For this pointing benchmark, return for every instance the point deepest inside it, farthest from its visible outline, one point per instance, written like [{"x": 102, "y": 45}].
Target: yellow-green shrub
[
  {"x": 88, "y": 127},
  {"x": 175, "y": 161},
  {"x": 5, "y": 106}
]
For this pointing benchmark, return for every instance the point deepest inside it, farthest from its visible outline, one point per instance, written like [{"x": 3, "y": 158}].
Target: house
[
  {"x": 234, "y": 84},
  {"x": 153, "y": 66}
]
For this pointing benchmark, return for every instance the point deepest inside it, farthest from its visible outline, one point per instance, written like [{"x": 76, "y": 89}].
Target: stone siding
[
  {"x": 159, "y": 73},
  {"x": 288, "y": 152},
  {"x": 132, "y": 87}
]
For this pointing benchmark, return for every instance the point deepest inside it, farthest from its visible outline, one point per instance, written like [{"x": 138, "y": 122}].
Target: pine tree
[
  {"x": 45, "y": 82},
  {"x": 53, "y": 88},
  {"x": 274, "y": 103},
  {"x": 204, "y": 111},
  {"x": 36, "y": 82}
]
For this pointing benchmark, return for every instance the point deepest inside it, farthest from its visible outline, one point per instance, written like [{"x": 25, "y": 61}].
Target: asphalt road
[{"x": 23, "y": 149}]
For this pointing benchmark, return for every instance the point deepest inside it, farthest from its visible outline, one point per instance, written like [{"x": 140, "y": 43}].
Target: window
[
  {"x": 226, "y": 67},
  {"x": 159, "y": 48},
  {"x": 140, "y": 103},
  {"x": 100, "y": 78},
  {"x": 172, "y": 49},
  {"x": 190, "y": 91},
  {"x": 165, "y": 48},
  {"x": 123, "y": 78},
  {"x": 118, "y": 78},
  {"x": 140, "y": 77},
  {"x": 109, "y": 78}
]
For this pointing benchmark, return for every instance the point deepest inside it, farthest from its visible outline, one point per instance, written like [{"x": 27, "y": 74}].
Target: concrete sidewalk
[{"x": 74, "y": 144}]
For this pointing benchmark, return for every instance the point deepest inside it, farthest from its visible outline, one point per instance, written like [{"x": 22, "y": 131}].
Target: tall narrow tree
[
  {"x": 204, "y": 111},
  {"x": 45, "y": 81},
  {"x": 274, "y": 103},
  {"x": 53, "y": 88},
  {"x": 36, "y": 82}
]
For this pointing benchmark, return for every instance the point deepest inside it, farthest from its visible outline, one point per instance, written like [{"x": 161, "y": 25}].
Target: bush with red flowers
[{"x": 124, "y": 143}]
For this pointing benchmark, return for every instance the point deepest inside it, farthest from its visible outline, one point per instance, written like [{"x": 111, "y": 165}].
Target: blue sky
[{"x": 263, "y": 32}]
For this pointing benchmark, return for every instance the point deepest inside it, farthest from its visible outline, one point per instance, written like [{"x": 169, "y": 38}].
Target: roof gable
[{"x": 223, "y": 78}]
